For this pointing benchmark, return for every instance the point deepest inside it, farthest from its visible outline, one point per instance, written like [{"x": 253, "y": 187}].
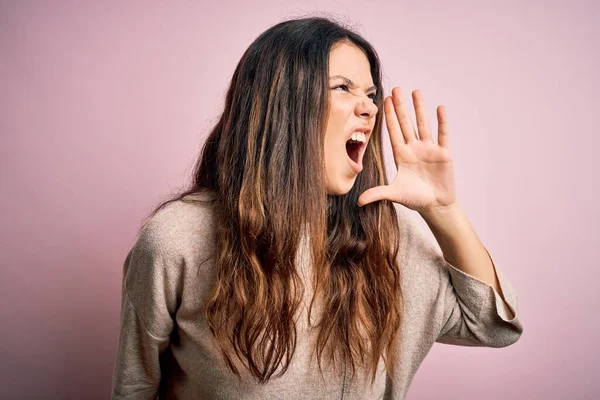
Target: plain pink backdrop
[{"x": 104, "y": 107}]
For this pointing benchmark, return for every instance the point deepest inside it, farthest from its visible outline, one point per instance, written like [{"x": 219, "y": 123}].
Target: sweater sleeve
[
  {"x": 465, "y": 310},
  {"x": 149, "y": 303},
  {"x": 474, "y": 313}
]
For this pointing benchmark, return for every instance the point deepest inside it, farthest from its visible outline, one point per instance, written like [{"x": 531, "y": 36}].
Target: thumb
[{"x": 374, "y": 194}]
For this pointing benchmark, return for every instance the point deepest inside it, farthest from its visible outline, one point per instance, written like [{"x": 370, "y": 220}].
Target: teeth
[{"x": 359, "y": 137}]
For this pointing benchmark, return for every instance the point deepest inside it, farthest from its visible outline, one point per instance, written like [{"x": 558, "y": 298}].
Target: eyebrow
[{"x": 350, "y": 83}]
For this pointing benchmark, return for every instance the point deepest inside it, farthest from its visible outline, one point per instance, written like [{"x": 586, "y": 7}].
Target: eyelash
[{"x": 371, "y": 96}]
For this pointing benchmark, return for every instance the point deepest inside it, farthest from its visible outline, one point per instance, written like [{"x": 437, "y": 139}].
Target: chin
[{"x": 340, "y": 187}]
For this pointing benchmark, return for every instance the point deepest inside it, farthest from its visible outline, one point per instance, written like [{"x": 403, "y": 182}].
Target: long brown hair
[{"x": 263, "y": 164}]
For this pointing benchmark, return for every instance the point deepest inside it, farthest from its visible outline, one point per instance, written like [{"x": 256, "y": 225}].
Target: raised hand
[{"x": 425, "y": 178}]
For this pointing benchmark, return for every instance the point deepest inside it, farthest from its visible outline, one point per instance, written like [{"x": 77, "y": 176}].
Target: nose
[{"x": 365, "y": 107}]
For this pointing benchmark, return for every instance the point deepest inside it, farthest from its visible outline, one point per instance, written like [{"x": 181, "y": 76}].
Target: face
[{"x": 352, "y": 112}]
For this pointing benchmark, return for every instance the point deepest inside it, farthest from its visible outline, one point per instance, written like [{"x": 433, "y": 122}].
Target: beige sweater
[{"x": 166, "y": 349}]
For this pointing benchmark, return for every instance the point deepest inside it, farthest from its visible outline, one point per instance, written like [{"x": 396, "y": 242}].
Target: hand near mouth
[{"x": 425, "y": 178}]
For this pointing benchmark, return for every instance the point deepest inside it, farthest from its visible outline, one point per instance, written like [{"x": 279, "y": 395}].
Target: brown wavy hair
[{"x": 263, "y": 164}]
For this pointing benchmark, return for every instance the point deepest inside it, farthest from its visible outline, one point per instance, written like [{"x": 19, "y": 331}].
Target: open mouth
[{"x": 353, "y": 148}]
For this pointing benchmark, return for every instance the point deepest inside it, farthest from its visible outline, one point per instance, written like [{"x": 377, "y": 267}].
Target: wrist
[{"x": 441, "y": 212}]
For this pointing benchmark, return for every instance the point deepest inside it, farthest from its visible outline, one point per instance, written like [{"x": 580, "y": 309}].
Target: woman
[{"x": 291, "y": 269}]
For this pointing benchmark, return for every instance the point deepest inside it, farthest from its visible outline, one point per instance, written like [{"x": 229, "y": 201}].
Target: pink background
[{"x": 104, "y": 107}]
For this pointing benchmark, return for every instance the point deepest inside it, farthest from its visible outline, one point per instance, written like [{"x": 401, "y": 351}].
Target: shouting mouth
[{"x": 355, "y": 148}]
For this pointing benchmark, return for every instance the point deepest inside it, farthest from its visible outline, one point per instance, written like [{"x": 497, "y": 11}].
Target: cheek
[{"x": 339, "y": 115}]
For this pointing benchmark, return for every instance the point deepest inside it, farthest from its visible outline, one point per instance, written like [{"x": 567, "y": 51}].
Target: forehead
[{"x": 350, "y": 61}]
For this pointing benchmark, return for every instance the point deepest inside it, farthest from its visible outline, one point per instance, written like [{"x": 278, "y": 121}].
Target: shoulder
[
  {"x": 179, "y": 228},
  {"x": 413, "y": 228},
  {"x": 419, "y": 255}
]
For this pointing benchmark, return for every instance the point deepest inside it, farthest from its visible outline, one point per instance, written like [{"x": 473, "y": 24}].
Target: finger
[
  {"x": 443, "y": 138},
  {"x": 422, "y": 125},
  {"x": 406, "y": 125},
  {"x": 375, "y": 194},
  {"x": 392, "y": 124}
]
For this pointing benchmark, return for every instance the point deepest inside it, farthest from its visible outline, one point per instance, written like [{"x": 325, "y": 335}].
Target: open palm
[{"x": 425, "y": 177}]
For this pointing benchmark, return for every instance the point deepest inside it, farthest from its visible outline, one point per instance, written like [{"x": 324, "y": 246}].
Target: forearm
[{"x": 461, "y": 245}]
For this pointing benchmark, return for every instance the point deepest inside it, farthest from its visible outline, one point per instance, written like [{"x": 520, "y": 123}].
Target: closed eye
[{"x": 346, "y": 88}]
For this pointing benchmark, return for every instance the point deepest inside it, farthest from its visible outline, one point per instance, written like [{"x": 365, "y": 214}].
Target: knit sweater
[{"x": 166, "y": 349}]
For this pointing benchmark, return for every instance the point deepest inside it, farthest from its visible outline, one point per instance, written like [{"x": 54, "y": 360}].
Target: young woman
[{"x": 291, "y": 269}]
